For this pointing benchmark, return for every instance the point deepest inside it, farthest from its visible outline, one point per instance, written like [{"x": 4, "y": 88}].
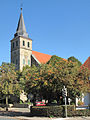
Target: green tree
[
  {"x": 69, "y": 73},
  {"x": 73, "y": 59},
  {"x": 36, "y": 81},
  {"x": 8, "y": 81},
  {"x": 26, "y": 72},
  {"x": 48, "y": 79}
]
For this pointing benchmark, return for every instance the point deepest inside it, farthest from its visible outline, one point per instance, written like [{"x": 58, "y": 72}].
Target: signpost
[
  {"x": 64, "y": 93},
  {"x": 69, "y": 100}
]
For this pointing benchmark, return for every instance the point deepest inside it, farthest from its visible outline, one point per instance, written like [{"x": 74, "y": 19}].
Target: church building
[
  {"x": 22, "y": 53},
  {"x": 21, "y": 48}
]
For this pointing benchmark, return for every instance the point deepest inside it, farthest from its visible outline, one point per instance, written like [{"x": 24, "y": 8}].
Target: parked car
[{"x": 40, "y": 103}]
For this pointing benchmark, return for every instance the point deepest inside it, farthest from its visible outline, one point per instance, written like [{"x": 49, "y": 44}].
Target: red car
[{"x": 40, "y": 103}]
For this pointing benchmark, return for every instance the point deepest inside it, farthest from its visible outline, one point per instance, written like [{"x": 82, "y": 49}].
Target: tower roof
[
  {"x": 21, "y": 30},
  {"x": 87, "y": 63}
]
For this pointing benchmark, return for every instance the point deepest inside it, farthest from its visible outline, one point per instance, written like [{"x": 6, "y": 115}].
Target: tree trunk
[{"x": 6, "y": 102}]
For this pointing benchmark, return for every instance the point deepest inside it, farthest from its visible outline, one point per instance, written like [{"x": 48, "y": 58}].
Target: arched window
[
  {"x": 16, "y": 43},
  {"x": 28, "y": 62},
  {"x": 28, "y": 44},
  {"x": 16, "y": 61},
  {"x": 13, "y": 44},
  {"x": 23, "y": 43},
  {"x": 23, "y": 61}
]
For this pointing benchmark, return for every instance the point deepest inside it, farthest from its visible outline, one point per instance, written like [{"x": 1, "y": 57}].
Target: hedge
[
  {"x": 85, "y": 112},
  {"x": 58, "y": 111}
]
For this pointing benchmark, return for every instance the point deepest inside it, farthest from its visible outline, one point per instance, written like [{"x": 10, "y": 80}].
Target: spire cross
[
  {"x": 21, "y": 30},
  {"x": 21, "y": 5}
]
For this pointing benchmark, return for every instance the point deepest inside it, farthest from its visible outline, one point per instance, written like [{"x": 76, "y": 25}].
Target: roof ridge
[
  {"x": 41, "y": 57},
  {"x": 40, "y": 52}
]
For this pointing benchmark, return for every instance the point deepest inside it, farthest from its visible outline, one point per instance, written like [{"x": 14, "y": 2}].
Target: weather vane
[{"x": 21, "y": 4}]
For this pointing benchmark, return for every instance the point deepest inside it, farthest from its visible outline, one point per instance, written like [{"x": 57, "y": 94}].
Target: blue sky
[{"x": 57, "y": 27}]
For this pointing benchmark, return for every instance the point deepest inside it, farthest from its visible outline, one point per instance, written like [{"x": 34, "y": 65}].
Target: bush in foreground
[{"x": 58, "y": 111}]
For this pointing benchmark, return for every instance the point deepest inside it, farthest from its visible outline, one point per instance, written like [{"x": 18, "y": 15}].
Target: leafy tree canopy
[
  {"x": 8, "y": 80},
  {"x": 73, "y": 59},
  {"x": 49, "y": 79},
  {"x": 54, "y": 60},
  {"x": 27, "y": 71}
]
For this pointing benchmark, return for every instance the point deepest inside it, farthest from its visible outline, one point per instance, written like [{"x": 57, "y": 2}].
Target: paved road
[{"x": 42, "y": 118}]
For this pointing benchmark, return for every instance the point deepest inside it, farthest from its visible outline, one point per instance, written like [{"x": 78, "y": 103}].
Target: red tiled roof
[
  {"x": 86, "y": 63},
  {"x": 41, "y": 57}
]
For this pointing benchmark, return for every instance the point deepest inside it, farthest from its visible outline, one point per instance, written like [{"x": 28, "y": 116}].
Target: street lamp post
[{"x": 64, "y": 93}]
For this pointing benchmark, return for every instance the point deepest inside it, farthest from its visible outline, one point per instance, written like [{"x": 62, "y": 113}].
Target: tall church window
[
  {"x": 13, "y": 61},
  {"x": 23, "y": 61},
  {"x": 16, "y": 43},
  {"x": 13, "y": 44},
  {"x": 28, "y": 44},
  {"x": 23, "y": 43},
  {"x": 28, "y": 62},
  {"x": 16, "y": 62}
]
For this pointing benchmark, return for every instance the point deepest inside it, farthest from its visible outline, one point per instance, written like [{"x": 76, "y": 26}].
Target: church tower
[{"x": 21, "y": 46}]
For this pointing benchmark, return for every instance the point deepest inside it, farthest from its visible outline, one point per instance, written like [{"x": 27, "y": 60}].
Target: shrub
[
  {"x": 58, "y": 111},
  {"x": 85, "y": 112}
]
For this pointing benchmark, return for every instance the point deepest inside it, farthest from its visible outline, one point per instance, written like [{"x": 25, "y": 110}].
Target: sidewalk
[
  {"x": 46, "y": 118},
  {"x": 72, "y": 118},
  {"x": 5, "y": 117}
]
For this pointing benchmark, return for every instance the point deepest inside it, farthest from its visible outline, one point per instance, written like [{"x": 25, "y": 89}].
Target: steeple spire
[{"x": 21, "y": 29}]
